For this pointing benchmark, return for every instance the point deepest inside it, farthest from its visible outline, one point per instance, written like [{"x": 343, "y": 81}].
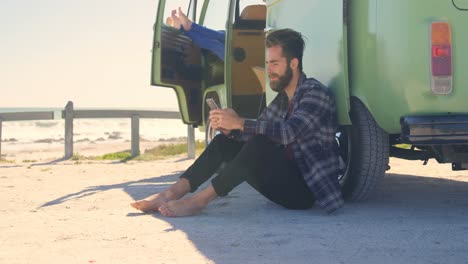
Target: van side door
[{"x": 176, "y": 61}]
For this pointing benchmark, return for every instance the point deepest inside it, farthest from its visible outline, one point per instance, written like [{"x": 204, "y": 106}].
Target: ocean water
[{"x": 106, "y": 129}]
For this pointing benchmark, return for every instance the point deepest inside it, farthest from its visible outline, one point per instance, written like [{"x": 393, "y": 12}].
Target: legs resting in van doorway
[{"x": 260, "y": 162}]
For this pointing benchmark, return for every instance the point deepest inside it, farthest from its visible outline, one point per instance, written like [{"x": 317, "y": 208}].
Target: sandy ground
[{"x": 79, "y": 213}]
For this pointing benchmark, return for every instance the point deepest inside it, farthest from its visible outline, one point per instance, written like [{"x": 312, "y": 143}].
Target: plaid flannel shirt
[{"x": 310, "y": 131}]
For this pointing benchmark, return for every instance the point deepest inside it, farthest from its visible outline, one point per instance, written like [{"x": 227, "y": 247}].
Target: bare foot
[
  {"x": 182, "y": 207},
  {"x": 150, "y": 203},
  {"x": 153, "y": 202},
  {"x": 186, "y": 22},
  {"x": 176, "y": 22},
  {"x": 190, "y": 205}
]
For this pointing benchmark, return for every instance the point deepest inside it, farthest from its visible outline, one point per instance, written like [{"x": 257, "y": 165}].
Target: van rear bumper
[{"x": 434, "y": 130}]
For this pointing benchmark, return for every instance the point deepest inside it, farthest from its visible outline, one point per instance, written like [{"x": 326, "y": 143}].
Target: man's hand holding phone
[
  {"x": 214, "y": 122},
  {"x": 224, "y": 120}
]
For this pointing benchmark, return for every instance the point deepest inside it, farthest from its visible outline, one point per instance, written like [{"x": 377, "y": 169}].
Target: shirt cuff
[{"x": 250, "y": 128}]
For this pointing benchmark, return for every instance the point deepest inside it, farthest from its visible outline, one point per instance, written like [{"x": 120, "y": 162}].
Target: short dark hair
[{"x": 290, "y": 41}]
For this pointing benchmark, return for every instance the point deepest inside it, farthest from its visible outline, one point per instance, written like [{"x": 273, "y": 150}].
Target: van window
[{"x": 216, "y": 14}]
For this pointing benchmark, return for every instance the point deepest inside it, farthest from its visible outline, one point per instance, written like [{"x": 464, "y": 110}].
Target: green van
[{"x": 398, "y": 69}]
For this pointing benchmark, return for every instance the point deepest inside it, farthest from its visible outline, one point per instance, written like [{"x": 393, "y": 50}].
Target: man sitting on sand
[{"x": 288, "y": 154}]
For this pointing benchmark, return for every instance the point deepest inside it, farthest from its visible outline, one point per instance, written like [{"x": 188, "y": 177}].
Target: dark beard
[{"x": 282, "y": 82}]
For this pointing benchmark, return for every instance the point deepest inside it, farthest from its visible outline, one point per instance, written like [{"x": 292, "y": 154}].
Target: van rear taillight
[{"x": 441, "y": 58}]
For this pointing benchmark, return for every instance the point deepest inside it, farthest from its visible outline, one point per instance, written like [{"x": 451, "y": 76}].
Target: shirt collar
[{"x": 302, "y": 79}]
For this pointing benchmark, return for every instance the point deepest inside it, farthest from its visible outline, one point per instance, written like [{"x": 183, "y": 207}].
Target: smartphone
[{"x": 211, "y": 103}]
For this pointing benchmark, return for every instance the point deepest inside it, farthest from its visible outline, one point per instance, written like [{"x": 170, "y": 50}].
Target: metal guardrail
[{"x": 69, "y": 114}]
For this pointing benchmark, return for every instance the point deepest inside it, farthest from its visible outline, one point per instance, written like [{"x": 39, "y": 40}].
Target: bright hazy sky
[{"x": 96, "y": 53}]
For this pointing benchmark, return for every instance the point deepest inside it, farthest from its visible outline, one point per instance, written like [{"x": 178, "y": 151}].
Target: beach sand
[{"x": 78, "y": 212}]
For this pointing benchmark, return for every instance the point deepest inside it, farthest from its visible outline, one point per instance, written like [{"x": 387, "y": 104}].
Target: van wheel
[{"x": 364, "y": 152}]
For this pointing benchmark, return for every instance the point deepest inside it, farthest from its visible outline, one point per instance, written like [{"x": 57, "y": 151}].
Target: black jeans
[{"x": 260, "y": 162}]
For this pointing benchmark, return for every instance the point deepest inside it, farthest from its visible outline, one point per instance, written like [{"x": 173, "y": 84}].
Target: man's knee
[
  {"x": 219, "y": 139},
  {"x": 223, "y": 144}
]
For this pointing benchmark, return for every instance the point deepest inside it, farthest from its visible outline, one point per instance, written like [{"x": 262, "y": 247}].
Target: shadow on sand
[
  {"x": 409, "y": 216},
  {"x": 136, "y": 189}
]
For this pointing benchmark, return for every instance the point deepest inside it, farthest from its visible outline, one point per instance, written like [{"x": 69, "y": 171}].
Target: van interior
[
  {"x": 248, "y": 53},
  {"x": 195, "y": 69}
]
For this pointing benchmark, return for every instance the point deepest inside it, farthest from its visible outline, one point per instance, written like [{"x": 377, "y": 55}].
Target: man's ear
[{"x": 294, "y": 63}]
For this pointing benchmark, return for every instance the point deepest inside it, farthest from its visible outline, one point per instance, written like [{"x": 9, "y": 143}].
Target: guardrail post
[
  {"x": 135, "y": 135},
  {"x": 0, "y": 139},
  {"x": 69, "y": 130},
  {"x": 190, "y": 142}
]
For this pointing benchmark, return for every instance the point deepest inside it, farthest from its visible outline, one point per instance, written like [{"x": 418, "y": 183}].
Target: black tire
[{"x": 364, "y": 148}]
